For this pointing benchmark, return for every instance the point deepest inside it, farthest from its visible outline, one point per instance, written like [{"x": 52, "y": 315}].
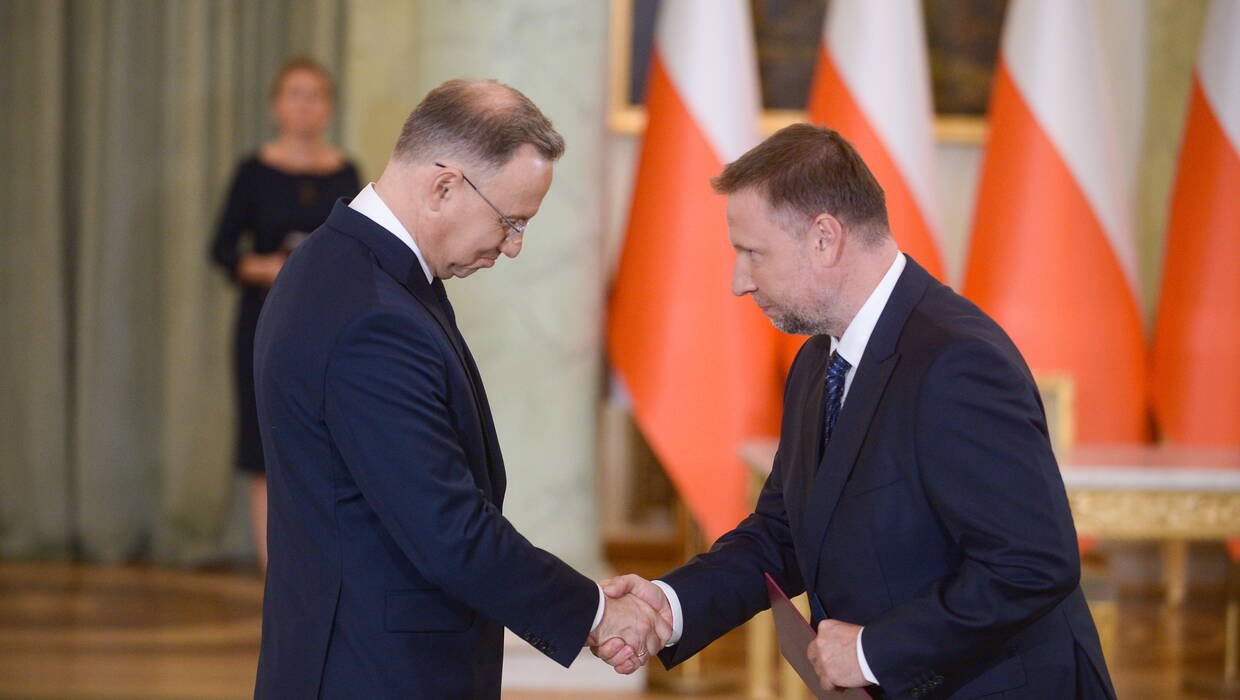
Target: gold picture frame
[{"x": 623, "y": 117}]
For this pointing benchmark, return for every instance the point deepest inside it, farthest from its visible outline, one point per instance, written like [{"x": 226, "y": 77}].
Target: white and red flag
[
  {"x": 1196, "y": 359},
  {"x": 872, "y": 85},
  {"x": 1052, "y": 255},
  {"x": 697, "y": 362}
]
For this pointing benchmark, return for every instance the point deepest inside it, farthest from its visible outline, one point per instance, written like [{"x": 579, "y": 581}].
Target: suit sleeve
[
  {"x": 723, "y": 588},
  {"x": 387, "y": 409},
  {"x": 986, "y": 465}
]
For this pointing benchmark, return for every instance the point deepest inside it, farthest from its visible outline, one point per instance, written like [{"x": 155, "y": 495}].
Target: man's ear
[
  {"x": 441, "y": 188},
  {"x": 828, "y": 238}
]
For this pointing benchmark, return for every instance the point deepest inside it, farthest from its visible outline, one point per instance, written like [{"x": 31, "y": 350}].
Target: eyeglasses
[{"x": 516, "y": 230}]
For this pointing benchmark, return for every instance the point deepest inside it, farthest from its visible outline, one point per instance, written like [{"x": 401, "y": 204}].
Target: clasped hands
[
  {"x": 637, "y": 623},
  {"x": 627, "y": 644}
]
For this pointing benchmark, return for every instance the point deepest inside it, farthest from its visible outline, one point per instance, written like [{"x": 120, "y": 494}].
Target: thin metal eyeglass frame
[{"x": 516, "y": 230}]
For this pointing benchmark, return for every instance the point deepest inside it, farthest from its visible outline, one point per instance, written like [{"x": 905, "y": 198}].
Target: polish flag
[
  {"x": 696, "y": 361},
  {"x": 1052, "y": 255},
  {"x": 872, "y": 84},
  {"x": 1196, "y": 359}
]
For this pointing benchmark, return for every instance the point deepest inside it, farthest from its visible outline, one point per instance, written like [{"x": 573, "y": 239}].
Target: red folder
[{"x": 795, "y": 635}]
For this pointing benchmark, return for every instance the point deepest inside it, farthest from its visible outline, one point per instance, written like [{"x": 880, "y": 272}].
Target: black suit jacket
[
  {"x": 936, "y": 518},
  {"x": 392, "y": 570}
]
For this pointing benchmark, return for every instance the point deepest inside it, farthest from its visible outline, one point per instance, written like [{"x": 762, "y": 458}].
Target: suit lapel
[
  {"x": 441, "y": 309},
  {"x": 840, "y": 457},
  {"x": 810, "y": 451},
  {"x": 806, "y": 445},
  {"x": 399, "y": 261},
  {"x": 494, "y": 458},
  {"x": 415, "y": 282},
  {"x": 837, "y": 463}
]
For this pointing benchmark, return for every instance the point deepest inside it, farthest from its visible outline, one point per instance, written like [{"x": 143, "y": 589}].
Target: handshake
[{"x": 637, "y": 622}]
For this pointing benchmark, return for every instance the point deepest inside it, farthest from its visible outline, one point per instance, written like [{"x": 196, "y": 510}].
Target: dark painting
[
  {"x": 963, "y": 38},
  {"x": 962, "y": 35}
]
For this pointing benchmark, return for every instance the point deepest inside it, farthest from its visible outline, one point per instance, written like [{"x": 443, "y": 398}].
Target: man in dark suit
[
  {"x": 392, "y": 570},
  {"x": 914, "y": 495}
]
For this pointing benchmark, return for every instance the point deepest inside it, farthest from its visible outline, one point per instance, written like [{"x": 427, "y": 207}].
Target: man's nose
[
  {"x": 512, "y": 245},
  {"x": 742, "y": 284}
]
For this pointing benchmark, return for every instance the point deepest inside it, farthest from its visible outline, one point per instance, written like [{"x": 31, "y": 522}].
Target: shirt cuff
[
  {"x": 602, "y": 607},
  {"x": 865, "y": 667},
  {"x": 678, "y": 618}
]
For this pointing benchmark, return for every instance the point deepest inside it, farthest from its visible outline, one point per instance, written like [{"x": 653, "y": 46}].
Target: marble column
[
  {"x": 377, "y": 89},
  {"x": 534, "y": 323}
]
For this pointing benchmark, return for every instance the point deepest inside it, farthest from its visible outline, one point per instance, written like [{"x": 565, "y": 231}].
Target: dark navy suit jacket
[
  {"x": 936, "y": 518},
  {"x": 392, "y": 570}
]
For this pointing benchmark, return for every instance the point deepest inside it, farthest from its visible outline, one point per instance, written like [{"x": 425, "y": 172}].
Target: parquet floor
[{"x": 78, "y": 632}]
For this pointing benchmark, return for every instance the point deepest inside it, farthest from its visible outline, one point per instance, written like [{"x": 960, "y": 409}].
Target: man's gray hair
[{"x": 482, "y": 120}]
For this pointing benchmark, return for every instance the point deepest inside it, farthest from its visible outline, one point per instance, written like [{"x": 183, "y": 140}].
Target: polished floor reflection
[{"x": 92, "y": 632}]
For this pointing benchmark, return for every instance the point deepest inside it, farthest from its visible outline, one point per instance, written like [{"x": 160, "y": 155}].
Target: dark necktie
[
  {"x": 441, "y": 294},
  {"x": 836, "y": 372}
]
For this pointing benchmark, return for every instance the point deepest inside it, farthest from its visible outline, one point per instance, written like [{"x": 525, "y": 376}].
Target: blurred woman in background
[{"x": 278, "y": 196}]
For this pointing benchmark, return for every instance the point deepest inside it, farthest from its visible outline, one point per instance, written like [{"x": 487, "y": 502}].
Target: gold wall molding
[
  {"x": 1155, "y": 515},
  {"x": 624, "y": 117}
]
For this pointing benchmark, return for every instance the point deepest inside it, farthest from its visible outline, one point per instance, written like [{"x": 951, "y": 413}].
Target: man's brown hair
[
  {"x": 483, "y": 120},
  {"x": 803, "y": 171}
]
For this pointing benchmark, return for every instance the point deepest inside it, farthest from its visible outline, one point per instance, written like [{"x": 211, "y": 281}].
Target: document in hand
[{"x": 795, "y": 635}]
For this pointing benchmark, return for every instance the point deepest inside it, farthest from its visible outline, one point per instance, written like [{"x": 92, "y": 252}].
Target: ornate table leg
[
  {"x": 690, "y": 678},
  {"x": 760, "y": 657},
  {"x": 1175, "y": 570},
  {"x": 1229, "y": 684}
]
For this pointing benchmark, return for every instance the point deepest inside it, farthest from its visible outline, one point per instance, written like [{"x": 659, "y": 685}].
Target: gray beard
[{"x": 796, "y": 324}]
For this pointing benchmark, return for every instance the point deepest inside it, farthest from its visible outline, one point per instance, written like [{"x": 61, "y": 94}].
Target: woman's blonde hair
[{"x": 302, "y": 63}]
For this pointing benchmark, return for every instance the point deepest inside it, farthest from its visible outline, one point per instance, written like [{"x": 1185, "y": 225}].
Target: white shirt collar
[
  {"x": 851, "y": 345},
  {"x": 368, "y": 203}
]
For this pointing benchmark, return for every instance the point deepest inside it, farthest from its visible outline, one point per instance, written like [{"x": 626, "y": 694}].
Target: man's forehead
[
  {"x": 746, "y": 205},
  {"x": 526, "y": 157},
  {"x": 524, "y": 171}
]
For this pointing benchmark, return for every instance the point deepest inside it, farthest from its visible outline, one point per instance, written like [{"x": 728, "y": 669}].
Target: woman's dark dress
[{"x": 267, "y": 210}]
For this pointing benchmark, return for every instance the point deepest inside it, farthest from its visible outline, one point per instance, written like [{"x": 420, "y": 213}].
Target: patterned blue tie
[{"x": 836, "y": 372}]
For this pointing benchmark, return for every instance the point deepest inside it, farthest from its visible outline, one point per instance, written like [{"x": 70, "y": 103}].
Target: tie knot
[
  {"x": 839, "y": 366},
  {"x": 437, "y": 287},
  {"x": 834, "y": 393}
]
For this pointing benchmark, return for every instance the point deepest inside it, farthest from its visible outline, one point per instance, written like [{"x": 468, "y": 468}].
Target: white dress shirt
[
  {"x": 371, "y": 205},
  {"x": 850, "y": 346}
]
